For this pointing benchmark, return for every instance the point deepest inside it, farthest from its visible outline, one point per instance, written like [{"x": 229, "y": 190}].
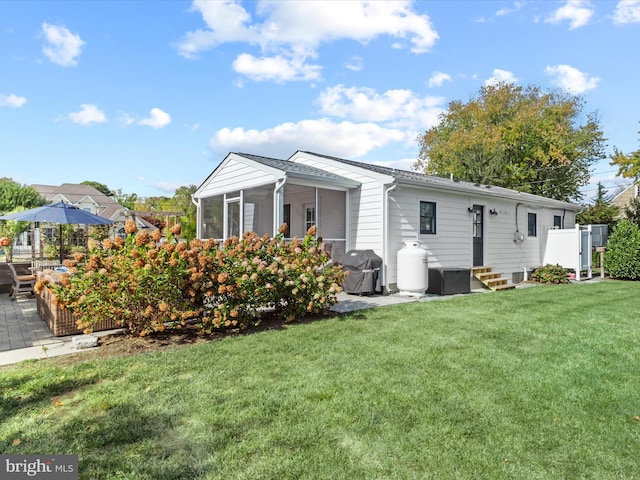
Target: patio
[{"x": 20, "y": 324}]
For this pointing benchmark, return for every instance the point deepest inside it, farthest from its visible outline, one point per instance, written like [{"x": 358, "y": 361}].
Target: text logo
[{"x": 49, "y": 467}]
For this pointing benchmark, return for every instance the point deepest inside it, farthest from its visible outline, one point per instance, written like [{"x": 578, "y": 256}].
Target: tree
[
  {"x": 127, "y": 200},
  {"x": 11, "y": 229},
  {"x": 515, "y": 137},
  {"x": 101, "y": 187},
  {"x": 632, "y": 211},
  {"x": 182, "y": 202},
  {"x": 14, "y": 195},
  {"x": 159, "y": 204},
  {"x": 601, "y": 212},
  {"x": 628, "y": 164}
]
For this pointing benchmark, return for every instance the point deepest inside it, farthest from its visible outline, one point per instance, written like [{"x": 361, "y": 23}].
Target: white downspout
[
  {"x": 277, "y": 210},
  {"x": 317, "y": 213},
  {"x": 385, "y": 234},
  {"x": 198, "y": 217}
]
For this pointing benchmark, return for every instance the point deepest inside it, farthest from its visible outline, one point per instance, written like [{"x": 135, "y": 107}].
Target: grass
[{"x": 533, "y": 383}]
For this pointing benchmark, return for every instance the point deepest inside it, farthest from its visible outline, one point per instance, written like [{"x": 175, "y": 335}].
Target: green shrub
[
  {"x": 622, "y": 256},
  {"x": 550, "y": 274}
]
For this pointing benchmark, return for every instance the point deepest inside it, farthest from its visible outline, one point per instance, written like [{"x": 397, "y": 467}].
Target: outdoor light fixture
[
  {"x": 470, "y": 209},
  {"x": 493, "y": 211}
]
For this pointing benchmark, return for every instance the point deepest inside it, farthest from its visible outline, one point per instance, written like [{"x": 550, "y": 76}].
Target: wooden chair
[{"x": 21, "y": 283}]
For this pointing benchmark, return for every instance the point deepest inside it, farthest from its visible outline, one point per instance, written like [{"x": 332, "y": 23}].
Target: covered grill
[{"x": 364, "y": 272}]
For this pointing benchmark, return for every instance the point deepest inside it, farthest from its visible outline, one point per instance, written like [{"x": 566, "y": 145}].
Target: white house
[{"x": 359, "y": 206}]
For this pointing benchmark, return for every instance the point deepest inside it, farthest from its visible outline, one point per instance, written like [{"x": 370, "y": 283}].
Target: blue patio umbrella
[{"x": 61, "y": 213}]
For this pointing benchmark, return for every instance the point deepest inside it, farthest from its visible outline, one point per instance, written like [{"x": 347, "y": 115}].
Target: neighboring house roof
[
  {"x": 76, "y": 194},
  {"x": 622, "y": 199},
  {"x": 420, "y": 179}
]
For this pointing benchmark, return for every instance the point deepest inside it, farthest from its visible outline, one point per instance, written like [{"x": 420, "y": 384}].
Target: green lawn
[{"x": 533, "y": 383}]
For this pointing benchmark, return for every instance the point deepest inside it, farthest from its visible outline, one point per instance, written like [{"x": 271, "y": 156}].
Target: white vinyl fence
[{"x": 570, "y": 248}]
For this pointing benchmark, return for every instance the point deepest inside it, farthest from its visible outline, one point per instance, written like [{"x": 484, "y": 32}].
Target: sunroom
[{"x": 272, "y": 192}]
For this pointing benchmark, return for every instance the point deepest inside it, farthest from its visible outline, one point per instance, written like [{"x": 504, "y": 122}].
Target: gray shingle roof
[
  {"x": 300, "y": 170},
  {"x": 417, "y": 178},
  {"x": 75, "y": 192}
]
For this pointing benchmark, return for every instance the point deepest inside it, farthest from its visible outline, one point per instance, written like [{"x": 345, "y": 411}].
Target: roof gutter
[{"x": 491, "y": 191}]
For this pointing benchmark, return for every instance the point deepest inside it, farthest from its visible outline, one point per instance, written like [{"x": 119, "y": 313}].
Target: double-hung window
[{"x": 427, "y": 218}]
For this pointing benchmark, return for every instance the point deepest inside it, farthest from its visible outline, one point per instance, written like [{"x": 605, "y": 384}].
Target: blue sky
[{"x": 146, "y": 96}]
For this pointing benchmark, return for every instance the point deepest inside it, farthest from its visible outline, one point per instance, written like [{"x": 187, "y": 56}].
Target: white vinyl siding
[
  {"x": 451, "y": 246},
  {"x": 366, "y": 229},
  {"x": 236, "y": 175}
]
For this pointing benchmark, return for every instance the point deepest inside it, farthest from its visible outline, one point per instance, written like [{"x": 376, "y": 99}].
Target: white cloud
[
  {"x": 291, "y": 32},
  {"x": 506, "y": 11},
  {"x": 170, "y": 187},
  {"x": 344, "y": 139},
  {"x": 62, "y": 47},
  {"x": 88, "y": 114},
  {"x": 437, "y": 79},
  {"x": 577, "y": 12},
  {"x": 278, "y": 68},
  {"x": 126, "y": 119},
  {"x": 227, "y": 22},
  {"x": 308, "y": 23},
  {"x": 571, "y": 79},
  {"x": 12, "y": 101},
  {"x": 501, "y": 76},
  {"x": 157, "y": 119},
  {"x": 400, "y": 164},
  {"x": 396, "y": 108},
  {"x": 627, "y": 11},
  {"x": 354, "y": 64}
]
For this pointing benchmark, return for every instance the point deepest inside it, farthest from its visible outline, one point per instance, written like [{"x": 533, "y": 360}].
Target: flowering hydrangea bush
[
  {"x": 147, "y": 285},
  {"x": 550, "y": 274},
  {"x": 261, "y": 274}
]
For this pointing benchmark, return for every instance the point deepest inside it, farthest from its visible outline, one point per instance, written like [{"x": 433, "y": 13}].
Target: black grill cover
[{"x": 364, "y": 272}]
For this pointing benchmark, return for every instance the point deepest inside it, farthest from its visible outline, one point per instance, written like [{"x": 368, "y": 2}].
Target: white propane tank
[{"x": 413, "y": 269}]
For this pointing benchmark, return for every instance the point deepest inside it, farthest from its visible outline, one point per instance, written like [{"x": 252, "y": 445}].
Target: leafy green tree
[
  {"x": 632, "y": 211},
  {"x": 101, "y": 187},
  {"x": 13, "y": 195},
  {"x": 179, "y": 202},
  {"x": 515, "y": 137},
  {"x": 11, "y": 229},
  {"x": 159, "y": 203},
  {"x": 601, "y": 212},
  {"x": 628, "y": 164},
  {"x": 182, "y": 202},
  {"x": 127, "y": 200}
]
